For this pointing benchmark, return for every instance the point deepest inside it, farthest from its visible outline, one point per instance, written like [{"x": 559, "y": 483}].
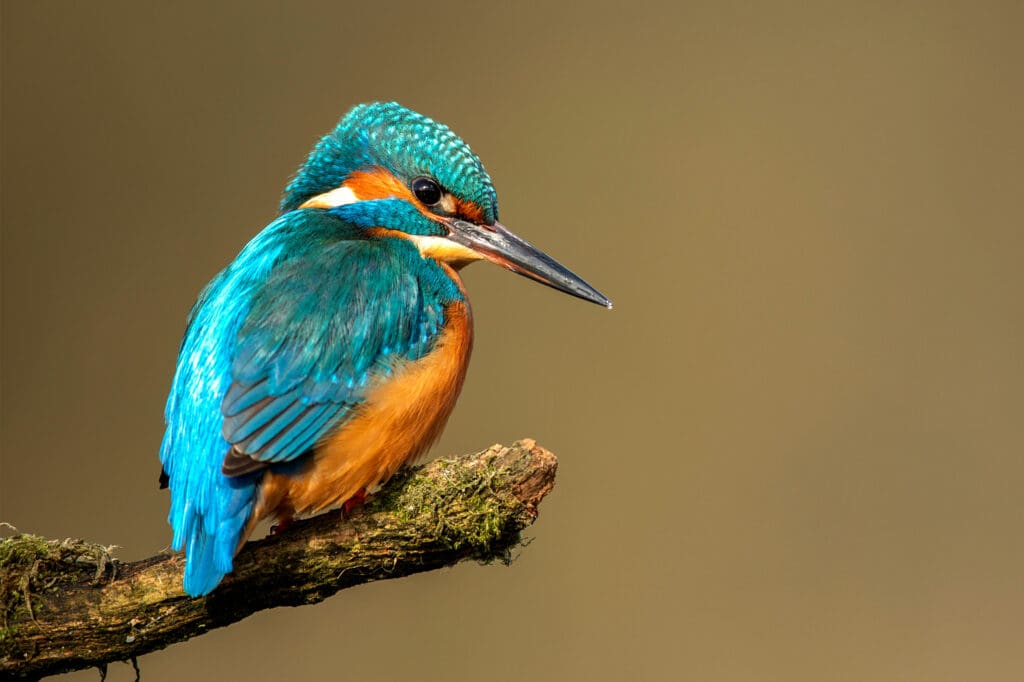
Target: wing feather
[{"x": 318, "y": 333}]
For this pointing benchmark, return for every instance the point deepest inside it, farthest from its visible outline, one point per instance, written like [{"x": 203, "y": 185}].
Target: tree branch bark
[{"x": 70, "y": 605}]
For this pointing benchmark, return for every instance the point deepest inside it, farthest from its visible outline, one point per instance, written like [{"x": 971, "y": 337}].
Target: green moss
[
  {"x": 460, "y": 506},
  {"x": 32, "y": 565},
  {"x": 19, "y": 555}
]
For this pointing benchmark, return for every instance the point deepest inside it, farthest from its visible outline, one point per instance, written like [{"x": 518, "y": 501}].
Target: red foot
[
  {"x": 353, "y": 502},
  {"x": 282, "y": 525}
]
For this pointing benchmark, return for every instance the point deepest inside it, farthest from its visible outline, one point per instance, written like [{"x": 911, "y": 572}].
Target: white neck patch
[
  {"x": 443, "y": 249},
  {"x": 339, "y": 196}
]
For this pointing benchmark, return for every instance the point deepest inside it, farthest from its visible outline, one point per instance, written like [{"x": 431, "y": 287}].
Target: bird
[{"x": 331, "y": 351}]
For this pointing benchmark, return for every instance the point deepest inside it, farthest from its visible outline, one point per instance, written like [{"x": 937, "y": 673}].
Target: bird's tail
[
  {"x": 203, "y": 571},
  {"x": 210, "y": 535}
]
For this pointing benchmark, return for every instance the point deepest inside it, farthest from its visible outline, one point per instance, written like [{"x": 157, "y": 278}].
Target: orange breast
[{"x": 399, "y": 420}]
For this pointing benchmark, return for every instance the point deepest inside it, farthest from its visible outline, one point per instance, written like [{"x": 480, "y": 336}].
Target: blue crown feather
[{"x": 406, "y": 143}]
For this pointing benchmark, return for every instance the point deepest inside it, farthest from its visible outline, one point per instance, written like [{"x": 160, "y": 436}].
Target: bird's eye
[{"x": 426, "y": 190}]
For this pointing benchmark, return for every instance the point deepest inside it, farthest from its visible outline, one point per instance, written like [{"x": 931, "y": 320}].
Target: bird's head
[{"x": 397, "y": 173}]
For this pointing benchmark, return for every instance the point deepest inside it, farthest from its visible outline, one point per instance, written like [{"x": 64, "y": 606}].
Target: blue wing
[
  {"x": 278, "y": 349},
  {"x": 320, "y": 329}
]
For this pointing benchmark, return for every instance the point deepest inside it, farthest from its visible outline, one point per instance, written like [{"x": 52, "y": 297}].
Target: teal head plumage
[
  {"x": 332, "y": 349},
  {"x": 410, "y": 145}
]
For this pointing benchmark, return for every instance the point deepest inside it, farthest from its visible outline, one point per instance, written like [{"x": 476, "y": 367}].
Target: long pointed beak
[{"x": 500, "y": 246}]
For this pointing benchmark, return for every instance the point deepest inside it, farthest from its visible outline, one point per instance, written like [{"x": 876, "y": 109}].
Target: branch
[{"x": 69, "y": 605}]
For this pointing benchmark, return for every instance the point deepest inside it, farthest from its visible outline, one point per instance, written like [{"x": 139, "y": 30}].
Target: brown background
[{"x": 792, "y": 452}]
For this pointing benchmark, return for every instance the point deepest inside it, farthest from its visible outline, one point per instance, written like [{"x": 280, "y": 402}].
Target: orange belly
[{"x": 398, "y": 421}]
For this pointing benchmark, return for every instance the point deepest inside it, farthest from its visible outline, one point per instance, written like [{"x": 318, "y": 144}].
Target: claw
[
  {"x": 353, "y": 502},
  {"x": 282, "y": 525}
]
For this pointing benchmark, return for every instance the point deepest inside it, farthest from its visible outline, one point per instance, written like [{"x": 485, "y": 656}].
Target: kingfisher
[{"x": 331, "y": 351}]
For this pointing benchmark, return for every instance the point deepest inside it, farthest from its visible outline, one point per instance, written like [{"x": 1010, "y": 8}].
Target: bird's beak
[{"x": 500, "y": 246}]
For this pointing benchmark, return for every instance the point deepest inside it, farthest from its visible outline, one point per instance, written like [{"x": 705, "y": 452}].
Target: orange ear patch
[
  {"x": 378, "y": 183},
  {"x": 382, "y": 184}
]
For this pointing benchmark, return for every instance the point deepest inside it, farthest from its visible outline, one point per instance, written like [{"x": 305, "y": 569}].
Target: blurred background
[{"x": 793, "y": 451}]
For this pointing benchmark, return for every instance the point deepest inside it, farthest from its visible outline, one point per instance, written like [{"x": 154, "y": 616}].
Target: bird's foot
[
  {"x": 353, "y": 502},
  {"x": 282, "y": 525}
]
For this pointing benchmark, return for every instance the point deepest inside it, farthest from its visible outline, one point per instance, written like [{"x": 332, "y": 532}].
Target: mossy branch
[{"x": 70, "y": 605}]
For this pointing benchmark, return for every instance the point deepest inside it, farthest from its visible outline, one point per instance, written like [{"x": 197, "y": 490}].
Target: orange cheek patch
[{"x": 378, "y": 184}]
